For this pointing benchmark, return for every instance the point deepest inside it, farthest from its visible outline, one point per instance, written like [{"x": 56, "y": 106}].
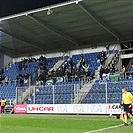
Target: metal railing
[
  {"x": 101, "y": 92},
  {"x": 48, "y": 94}
]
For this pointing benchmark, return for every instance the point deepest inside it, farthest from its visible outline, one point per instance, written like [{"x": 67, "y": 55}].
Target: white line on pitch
[{"x": 94, "y": 131}]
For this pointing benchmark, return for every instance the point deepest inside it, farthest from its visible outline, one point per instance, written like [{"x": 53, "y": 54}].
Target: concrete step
[{"x": 85, "y": 88}]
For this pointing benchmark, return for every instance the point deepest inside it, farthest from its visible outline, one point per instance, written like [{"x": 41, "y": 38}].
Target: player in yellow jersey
[
  {"x": 127, "y": 100},
  {"x": 3, "y": 104}
]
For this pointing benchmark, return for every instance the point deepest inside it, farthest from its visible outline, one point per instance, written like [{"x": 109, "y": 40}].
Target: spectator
[
  {"x": 70, "y": 63},
  {"x": 1, "y": 78},
  {"x": 123, "y": 71},
  {"x": 67, "y": 75},
  {"x": 102, "y": 60},
  {"x": 104, "y": 54},
  {"x": 42, "y": 78},
  {"x": 21, "y": 79},
  {"x": 82, "y": 62},
  {"x": 20, "y": 66},
  {"x": 131, "y": 70},
  {"x": 7, "y": 79},
  {"x": 3, "y": 104},
  {"x": 79, "y": 73},
  {"x": 112, "y": 70},
  {"x": 107, "y": 49},
  {"x": 107, "y": 72},
  {"x": 30, "y": 60},
  {"x": 18, "y": 79},
  {"x": 1, "y": 71},
  {"x": 101, "y": 73},
  {"x": 26, "y": 78},
  {"x": 85, "y": 68},
  {"x": 73, "y": 71}
]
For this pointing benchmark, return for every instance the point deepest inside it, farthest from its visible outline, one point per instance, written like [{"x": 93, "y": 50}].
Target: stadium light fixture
[
  {"x": 26, "y": 14},
  {"x": 49, "y": 12},
  {"x": 41, "y": 9}
]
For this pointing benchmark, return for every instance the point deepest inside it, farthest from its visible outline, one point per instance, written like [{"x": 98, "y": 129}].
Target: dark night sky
[{"x": 9, "y": 7}]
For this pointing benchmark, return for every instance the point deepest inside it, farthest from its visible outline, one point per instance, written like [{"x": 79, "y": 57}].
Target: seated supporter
[{"x": 7, "y": 79}]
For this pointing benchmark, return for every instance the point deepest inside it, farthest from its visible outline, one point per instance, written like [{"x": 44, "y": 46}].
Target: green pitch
[{"x": 32, "y": 123}]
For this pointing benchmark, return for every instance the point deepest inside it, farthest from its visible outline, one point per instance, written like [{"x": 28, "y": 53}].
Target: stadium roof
[{"x": 68, "y": 25}]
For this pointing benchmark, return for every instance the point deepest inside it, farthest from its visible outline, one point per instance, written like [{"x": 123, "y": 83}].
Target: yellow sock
[
  {"x": 130, "y": 116},
  {"x": 125, "y": 117}
]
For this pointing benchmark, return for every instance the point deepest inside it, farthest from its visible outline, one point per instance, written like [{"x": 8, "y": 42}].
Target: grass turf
[{"x": 32, "y": 123}]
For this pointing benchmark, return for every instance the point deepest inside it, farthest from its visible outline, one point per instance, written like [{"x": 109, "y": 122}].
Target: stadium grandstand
[{"x": 69, "y": 58}]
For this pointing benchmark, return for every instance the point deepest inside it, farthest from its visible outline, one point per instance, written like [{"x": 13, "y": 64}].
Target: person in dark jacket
[{"x": 101, "y": 73}]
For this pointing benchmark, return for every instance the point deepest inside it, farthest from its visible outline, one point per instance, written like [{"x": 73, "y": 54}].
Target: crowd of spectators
[
  {"x": 24, "y": 78},
  {"x": 70, "y": 71},
  {"x": 104, "y": 73}
]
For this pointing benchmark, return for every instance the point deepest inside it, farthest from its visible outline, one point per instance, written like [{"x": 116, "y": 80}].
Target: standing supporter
[
  {"x": 1, "y": 78},
  {"x": 82, "y": 62},
  {"x": 86, "y": 71},
  {"x": 70, "y": 64},
  {"x": 107, "y": 72},
  {"x": 112, "y": 70},
  {"x": 20, "y": 66},
  {"x": 123, "y": 71},
  {"x": 107, "y": 49},
  {"x": 101, "y": 73},
  {"x": 74, "y": 71},
  {"x": 26, "y": 78},
  {"x": 3, "y": 104}
]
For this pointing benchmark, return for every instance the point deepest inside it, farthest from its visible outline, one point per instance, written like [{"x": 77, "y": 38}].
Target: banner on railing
[
  {"x": 113, "y": 108},
  {"x": 20, "y": 109},
  {"x": 68, "y": 108}
]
